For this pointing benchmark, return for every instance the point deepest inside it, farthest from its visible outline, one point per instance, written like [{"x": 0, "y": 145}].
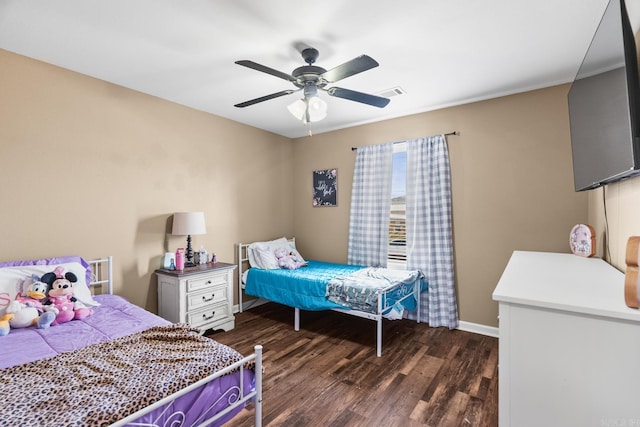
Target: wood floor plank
[{"x": 327, "y": 374}]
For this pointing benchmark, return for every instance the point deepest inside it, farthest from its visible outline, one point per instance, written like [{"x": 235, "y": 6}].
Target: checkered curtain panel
[
  {"x": 370, "y": 206},
  {"x": 429, "y": 227}
]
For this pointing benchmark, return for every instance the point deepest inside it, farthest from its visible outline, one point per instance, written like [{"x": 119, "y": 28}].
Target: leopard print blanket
[{"x": 103, "y": 383}]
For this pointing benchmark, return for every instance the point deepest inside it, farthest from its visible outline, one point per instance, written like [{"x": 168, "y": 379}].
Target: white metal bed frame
[
  {"x": 102, "y": 274},
  {"x": 243, "y": 259}
]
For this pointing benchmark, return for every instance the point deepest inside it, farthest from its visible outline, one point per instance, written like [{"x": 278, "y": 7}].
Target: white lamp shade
[
  {"x": 297, "y": 109},
  {"x": 316, "y": 107},
  {"x": 187, "y": 223}
]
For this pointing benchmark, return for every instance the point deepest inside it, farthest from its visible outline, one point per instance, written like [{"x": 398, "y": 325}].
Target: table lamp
[{"x": 186, "y": 224}]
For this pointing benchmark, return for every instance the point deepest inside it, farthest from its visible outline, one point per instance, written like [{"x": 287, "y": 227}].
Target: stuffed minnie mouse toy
[{"x": 60, "y": 296}]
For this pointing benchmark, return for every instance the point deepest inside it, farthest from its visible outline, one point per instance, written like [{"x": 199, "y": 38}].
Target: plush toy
[
  {"x": 286, "y": 259},
  {"x": 28, "y": 310},
  {"x": 60, "y": 296},
  {"x": 4, "y": 324}
]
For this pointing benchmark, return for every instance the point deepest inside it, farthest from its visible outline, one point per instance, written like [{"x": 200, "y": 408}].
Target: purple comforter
[{"x": 116, "y": 318}]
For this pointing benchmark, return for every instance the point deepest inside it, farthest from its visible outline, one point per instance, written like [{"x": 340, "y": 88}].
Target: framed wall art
[{"x": 325, "y": 187}]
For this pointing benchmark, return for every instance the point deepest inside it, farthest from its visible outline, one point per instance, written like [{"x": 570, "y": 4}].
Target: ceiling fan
[{"x": 309, "y": 78}]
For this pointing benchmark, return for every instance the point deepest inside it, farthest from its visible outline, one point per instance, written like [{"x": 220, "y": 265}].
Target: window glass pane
[
  {"x": 399, "y": 177},
  {"x": 397, "y": 257}
]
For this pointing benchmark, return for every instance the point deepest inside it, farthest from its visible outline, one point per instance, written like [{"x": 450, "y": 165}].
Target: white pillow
[
  {"x": 265, "y": 257},
  {"x": 261, "y": 254},
  {"x": 13, "y": 274}
]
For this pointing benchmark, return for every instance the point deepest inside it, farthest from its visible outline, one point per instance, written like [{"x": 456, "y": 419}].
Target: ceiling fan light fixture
[{"x": 308, "y": 110}]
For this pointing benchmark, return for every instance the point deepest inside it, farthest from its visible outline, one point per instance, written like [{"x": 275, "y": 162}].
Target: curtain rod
[{"x": 455, "y": 132}]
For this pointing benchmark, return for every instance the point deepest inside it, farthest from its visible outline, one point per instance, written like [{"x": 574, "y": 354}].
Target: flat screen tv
[{"x": 603, "y": 105}]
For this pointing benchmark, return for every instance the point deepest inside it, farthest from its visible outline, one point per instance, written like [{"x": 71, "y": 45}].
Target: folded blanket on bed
[
  {"x": 105, "y": 382},
  {"x": 361, "y": 289}
]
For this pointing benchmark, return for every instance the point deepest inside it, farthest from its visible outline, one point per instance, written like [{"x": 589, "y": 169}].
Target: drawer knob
[
  {"x": 205, "y": 317},
  {"x": 209, "y": 282},
  {"x": 205, "y": 299}
]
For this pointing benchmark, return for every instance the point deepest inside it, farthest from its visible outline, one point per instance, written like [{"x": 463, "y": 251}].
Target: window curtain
[
  {"x": 429, "y": 227},
  {"x": 370, "y": 206}
]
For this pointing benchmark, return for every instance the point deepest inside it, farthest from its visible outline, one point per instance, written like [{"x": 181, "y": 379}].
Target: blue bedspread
[
  {"x": 304, "y": 287},
  {"x": 323, "y": 285}
]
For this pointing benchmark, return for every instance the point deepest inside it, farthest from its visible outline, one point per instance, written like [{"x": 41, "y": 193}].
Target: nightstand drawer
[
  {"x": 210, "y": 314},
  {"x": 206, "y": 297},
  {"x": 197, "y": 283}
]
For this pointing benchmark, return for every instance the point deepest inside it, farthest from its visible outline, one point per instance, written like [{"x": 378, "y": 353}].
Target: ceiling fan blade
[
  {"x": 352, "y": 95},
  {"x": 265, "y": 69},
  {"x": 349, "y": 68},
  {"x": 266, "y": 98}
]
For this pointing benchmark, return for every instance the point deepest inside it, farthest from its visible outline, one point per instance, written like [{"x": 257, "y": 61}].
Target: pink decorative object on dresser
[{"x": 582, "y": 240}]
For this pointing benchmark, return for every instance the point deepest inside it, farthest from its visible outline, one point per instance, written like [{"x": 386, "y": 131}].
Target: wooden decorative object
[
  {"x": 631, "y": 283},
  {"x": 582, "y": 240}
]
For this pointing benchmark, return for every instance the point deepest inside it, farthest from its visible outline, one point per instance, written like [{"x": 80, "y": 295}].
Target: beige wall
[
  {"x": 622, "y": 207},
  {"x": 512, "y": 186},
  {"x": 94, "y": 169}
]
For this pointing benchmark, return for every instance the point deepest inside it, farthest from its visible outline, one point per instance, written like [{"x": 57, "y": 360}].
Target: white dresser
[
  {"x": 569, "y": 346},
  {"x": 201, "y": 296}
]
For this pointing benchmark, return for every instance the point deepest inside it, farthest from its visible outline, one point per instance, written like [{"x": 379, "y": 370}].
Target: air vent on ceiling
[{"x": 391, "y": 92}]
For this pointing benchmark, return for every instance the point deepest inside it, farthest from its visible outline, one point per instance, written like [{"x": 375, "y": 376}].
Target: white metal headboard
[
  {"x": 243, "y": 265},
  {"x": 101, "y": 274}
]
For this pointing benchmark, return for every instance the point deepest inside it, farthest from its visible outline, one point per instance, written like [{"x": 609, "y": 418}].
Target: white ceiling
[{"x": 441, "y": 53}]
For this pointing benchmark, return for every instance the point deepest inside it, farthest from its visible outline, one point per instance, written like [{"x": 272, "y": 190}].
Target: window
[{"x": 397, "y": 256}]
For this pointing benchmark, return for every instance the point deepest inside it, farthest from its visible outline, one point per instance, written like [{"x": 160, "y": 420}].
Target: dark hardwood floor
[{"x": 327, "y": 374}]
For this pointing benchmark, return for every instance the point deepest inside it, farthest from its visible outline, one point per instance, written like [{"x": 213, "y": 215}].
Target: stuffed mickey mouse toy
[{"x": 60, "y": 296}]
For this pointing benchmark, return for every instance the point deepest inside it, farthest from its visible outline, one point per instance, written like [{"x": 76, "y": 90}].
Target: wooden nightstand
[{"x": 201, "y": 296}]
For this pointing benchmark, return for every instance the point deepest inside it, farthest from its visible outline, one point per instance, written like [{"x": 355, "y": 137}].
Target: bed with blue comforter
[
  {"x": 368, "y": 292},
  {"x": 326, "y": 286}
]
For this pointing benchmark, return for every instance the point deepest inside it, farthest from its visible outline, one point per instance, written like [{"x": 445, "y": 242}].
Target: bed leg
[
  {"x": 379, "y": 343},
  {"x": 258, "y": 398},
  {"x": 296, "y": 320},
  {"x": 418, "y": 296},
  {"x": 239, "y": 278}
]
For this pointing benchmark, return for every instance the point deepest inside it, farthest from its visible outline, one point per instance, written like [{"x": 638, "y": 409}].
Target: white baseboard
[{"x": 478, "y": 329}]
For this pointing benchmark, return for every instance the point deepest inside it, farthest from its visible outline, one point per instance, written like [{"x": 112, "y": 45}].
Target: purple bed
[{"x": 121, "y": 366}]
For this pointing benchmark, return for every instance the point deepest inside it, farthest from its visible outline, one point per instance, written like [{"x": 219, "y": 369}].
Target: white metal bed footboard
[
  {"x": 243, "y": 260},
  {"x": 238, "y": 393},
  {"x": 238, "y": 396}
]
